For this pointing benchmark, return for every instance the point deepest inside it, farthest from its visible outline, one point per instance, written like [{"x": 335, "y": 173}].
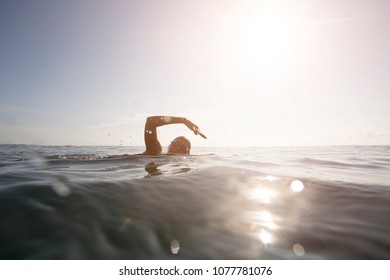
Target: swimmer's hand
[
  {"x": 197, "y": 132},
  {"x": 194, "y": 128}
]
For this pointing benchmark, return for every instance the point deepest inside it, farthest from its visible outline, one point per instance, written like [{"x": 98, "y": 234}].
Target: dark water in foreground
[{"x": 220, "y": 203}]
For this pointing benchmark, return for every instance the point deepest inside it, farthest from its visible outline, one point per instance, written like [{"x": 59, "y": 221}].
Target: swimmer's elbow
[{"x": 149, "y": 122}]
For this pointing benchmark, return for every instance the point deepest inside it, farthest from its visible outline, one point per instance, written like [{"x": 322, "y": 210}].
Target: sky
[{"x": 248, "y": 73}]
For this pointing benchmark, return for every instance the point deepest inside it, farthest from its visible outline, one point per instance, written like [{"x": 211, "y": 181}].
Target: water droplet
[
  {"x": 126, "y": 222},
  {"x": 61, "y": 187},
  {"x": 175, "y": 247},
  {"x": 298, "y": 250},
  {"x": 167, "y": 119},
  {"x": 39, "y": 161},
  {"x": 297, "y": 186}
]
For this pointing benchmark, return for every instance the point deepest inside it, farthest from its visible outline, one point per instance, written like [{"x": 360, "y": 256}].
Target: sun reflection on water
[
  {"x": 266, "y": 216},
  {"x": 263, "y": 221},
  {"x": 263, "y": 194},
  {"x": 265, "y": 237},
  {"x": 270, "y": 178},
  {"x": 275, "y": 203}
]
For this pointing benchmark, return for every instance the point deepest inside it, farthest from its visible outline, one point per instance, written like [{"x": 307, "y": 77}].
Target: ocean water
[{"x": 68, "y": 202}]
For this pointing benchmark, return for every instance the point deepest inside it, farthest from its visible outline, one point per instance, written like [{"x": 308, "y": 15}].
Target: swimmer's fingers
[
  {"x": 194, "y": 128},
  {"x": 197, "y": 132},
  {"x": 191, "y": 126},
  {"x": 201, "y": 134}
]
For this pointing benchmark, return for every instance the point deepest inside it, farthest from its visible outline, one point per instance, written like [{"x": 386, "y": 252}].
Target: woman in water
[{"x": 180, "y": 145}]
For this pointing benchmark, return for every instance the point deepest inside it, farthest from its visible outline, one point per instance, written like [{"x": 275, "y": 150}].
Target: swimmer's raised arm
[{"x": 153, "y": 146}]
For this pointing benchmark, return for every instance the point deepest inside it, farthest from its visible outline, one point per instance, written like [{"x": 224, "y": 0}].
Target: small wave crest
[{"x": 336, "y": 164}]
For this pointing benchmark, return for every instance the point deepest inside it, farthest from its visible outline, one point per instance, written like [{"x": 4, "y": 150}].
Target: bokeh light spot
[
  {"x": 175, "y": 247},
  {"x": 298, "y": 250},
  {"x": 297, "y": 186}
]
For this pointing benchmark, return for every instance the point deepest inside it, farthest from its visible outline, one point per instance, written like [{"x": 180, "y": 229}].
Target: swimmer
[{"x": 180, "y": 145}]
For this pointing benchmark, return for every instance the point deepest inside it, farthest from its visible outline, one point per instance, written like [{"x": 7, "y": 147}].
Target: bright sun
[{"x": 265, "y": 42}]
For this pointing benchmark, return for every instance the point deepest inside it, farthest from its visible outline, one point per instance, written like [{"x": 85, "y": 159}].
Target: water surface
[{"x": 72, "y": 202}]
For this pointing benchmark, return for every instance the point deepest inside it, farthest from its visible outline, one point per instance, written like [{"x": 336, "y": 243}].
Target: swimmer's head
[{"x": 180, "y": 145}]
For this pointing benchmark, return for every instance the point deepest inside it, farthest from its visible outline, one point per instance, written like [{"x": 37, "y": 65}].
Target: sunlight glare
[
  {"x": 265, "y": 41},
  {"x": 267, "y": 220},
  {"x": 270, "y": 178},
  {"x": 266, "y": 216},
  {"x": 265, "y": 237},
  {"x": 262, "y": 194}
]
